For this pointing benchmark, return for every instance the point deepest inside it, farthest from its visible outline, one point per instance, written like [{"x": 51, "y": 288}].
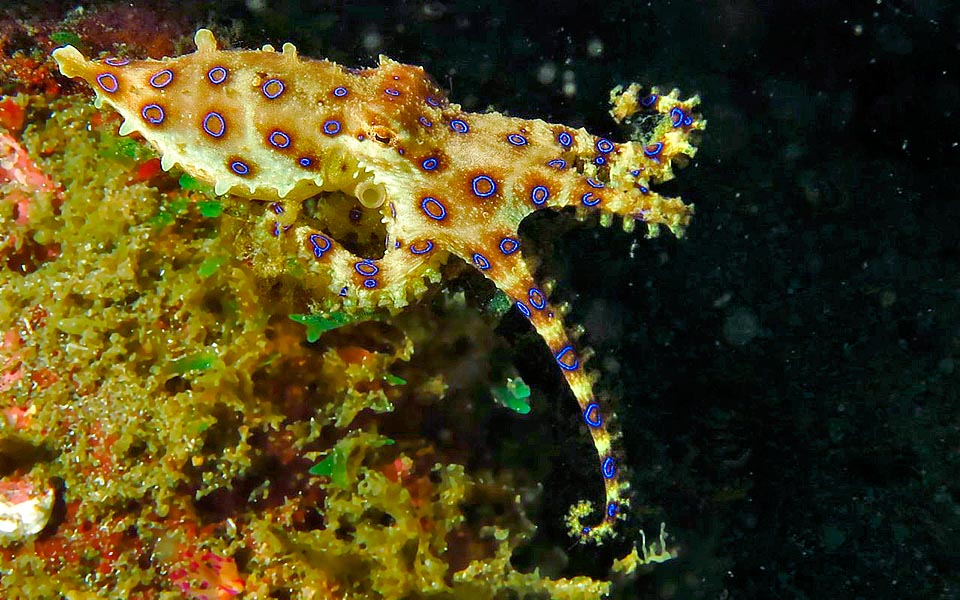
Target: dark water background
[{"x": 786, "y": 375}]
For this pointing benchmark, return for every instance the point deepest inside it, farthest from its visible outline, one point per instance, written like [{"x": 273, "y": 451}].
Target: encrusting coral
[{"x": 154, "y": 371}]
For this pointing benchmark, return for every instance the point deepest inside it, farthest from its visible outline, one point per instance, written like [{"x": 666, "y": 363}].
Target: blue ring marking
[
  {"x": 425, "y": 122},
  {"x": 565, "y": 139},
  {"x": 275, "y": 83},
  {"x": 483, "y": 179},
  {"x": 481, "y": 261},
  {"x": 649, "y": 100},
  {"x": 366, "y": 268},
  {"x": 539, "y": 194},
  {"x": 523, "y": 309},
  {"x": 653, "y": 149},
  {"x": 612, "y": 510},
  {"x": 321, "y": 244},
  {"x": 433, "y": 208},
  {"x": 609, "y": 467},
  {"x": 599, "y": 161},
  {"x": 340, "y": 91},
  {"x": 216, "y": 117},
  {"x": 112, "y": 79},
  {"x": 604, "y": 146},
  {"x": 117, "y": 62},
  {"x": 161, "y": 79},
  {"x": 279, "y": 139},
  {"x": 557, "y": 163},
  {"x": 516, "y": 139},
  {"x": 433, "y": 102},
  {"x": 537, "y": 299},
  {"x": 459, "y": 125},
  {"x": 509, "y": 245},
  {"x": 276, "y": 227},
  {"x": 277, "y": 208},
  {"x": 676, "y": 116},
  {"x": 305, "y": 161},
  {"x": 240, "y": 168},
  {"x": 644, "y": 189},
  {"x": 588, "y": 199},
  {"x": 687, "y": 121},
  {"x": 635, "y": 172},
  {"x": 361, "y": 137},
  {"x": 567, "y": 367},
  {"x": 343, "y": 291},
  {"x": 393, "y": 210},
  {"x": 217, "y": 75},
  {"x": 392, "y": 92},
  {"x": 331, "y": 127},
  {"x": 586, "y": 530},
  {"x": 427, "y": 247},
  {"x": 156, "y": 119},
  {"x": 369, "y": 283},
  {"x": 591, "y": 415},
  {"x": 594, "y": 183},
  {"x": 430, "y": 164}
]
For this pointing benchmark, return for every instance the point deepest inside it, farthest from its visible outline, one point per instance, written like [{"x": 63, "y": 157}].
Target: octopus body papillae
[{"x": 274, "y": 126}]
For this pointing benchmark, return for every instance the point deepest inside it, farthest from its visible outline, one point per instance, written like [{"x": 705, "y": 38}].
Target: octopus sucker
[{"x": 278, "y": 127}]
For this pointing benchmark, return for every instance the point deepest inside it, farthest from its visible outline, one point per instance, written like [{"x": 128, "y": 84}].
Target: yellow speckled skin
[{"x": 274, "y": 126}]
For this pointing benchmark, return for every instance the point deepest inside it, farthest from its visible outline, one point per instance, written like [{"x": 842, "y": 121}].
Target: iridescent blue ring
[
  {"x": 483, "y": 179},
  {"x": 217, "y": 75},
  {"x": 604, "y": 145},
  {"x": 392, "y": 92},
  {"x": 156, "y": 119},
  {"x": 565, "y": 139},
  {"x": 430, "y": 164},
  {"x": 366, "y": 268},
  {"x": 588, "y": 199},
  {"x": 481, "y": 261},
  {"x": 567, "y": 367},
  {"x": 557, "y": 163},
  {"x": 594, "y": 183},
  {"x": 600, "y": 161},
  {"x": 279, "y": 139},
  {"x": 537, "y": 299},
  {"x": 612, "y": 510},
  {"x": 239, "y": 167},
  {"x": 649, "y": 100},
  {"x": 276, "y": 83},
  {"x": 653, "y": 149},
  {"x": 369, "y": 283},
  {"x": 427, "y": 247},
  {"x": 425, "y": 122},
  {"x": 459, "y": 125},
  {"x": 305, "y": 161},
  {"x": 676, "y": 116},
  {"x": 321, "y": 244},
  {"x": 331, "y": 127},
  {"x": 117, "y": 62},
  {"x": 539, "y": 194},
  {"x": 214, "y": 116},
  {"x": 340, "y": 91},
  {"x": 509, "y": 245},
  {"x": 687, "y": 121},
  {"x": 111, "y": 85},
  {"x": 609, "y": 467},
  {"x": 523, "y": 309},
  {"x": 161, "y": 79},
  {"x": 516, "y": 139},
  {"x": 432, "y": 101},
  {"x": 591, "y": 415},
  {"x": 433, "y": 208}
]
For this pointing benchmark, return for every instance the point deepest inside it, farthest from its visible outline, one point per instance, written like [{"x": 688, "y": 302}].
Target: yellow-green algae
[{"x": 173, "y": 374}]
